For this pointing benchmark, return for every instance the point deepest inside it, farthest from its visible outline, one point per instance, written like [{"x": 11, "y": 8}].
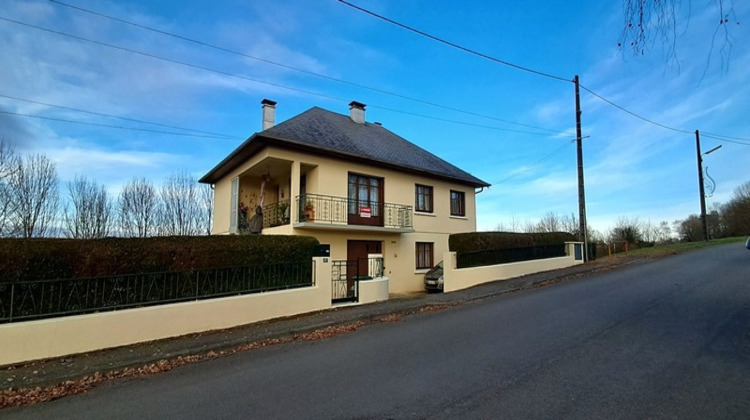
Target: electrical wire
[
  {"x": 538, "y": 162},
  {"x": 288, "y": 67},
  {"x": 528, "y": 70},
  {"x": 171, "y": 133},
  {"x": 234, "y": 75},
  {"x": 453, "y": 44},
  {"x": 101, "y": 114}
]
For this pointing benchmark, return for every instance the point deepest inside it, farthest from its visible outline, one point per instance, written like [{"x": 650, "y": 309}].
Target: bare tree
[
  {"x": 8, "y": 165},
  {"x": 549, "y": 223},
  {"x": 570, "y": 224},
  {"x": 89, "y": 212},
  {"x": 33, "y": 183},
  {"x": 138, "y": 207},
  {"x": 647, "y": 22},
  {"x": 180, "y": 210}
]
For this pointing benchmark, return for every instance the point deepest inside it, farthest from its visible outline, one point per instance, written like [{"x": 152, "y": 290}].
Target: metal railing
[
  {"x": 335, "y": 211},
  {"x": 276, "y": 214},
  {"x": 504, "y": 256},
  {"x": 28, "y": 300},
  {"x": 346, "y": 275}
]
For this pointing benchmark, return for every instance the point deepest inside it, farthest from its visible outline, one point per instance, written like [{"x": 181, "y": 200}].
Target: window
[
  {"x": 424, "y": 254},
  {"x": 458, "y": 203},
  {"x": 364, "y": 191},
  {"x": 423, "y": 198}
]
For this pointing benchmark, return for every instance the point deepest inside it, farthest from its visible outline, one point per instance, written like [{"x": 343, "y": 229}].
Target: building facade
[{"x": 352, "y": 184}]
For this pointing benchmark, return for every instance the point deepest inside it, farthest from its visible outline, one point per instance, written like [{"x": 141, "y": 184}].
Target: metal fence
[
  {"x": 29, "y": 300},
  {"x": 504, "y": 256}
]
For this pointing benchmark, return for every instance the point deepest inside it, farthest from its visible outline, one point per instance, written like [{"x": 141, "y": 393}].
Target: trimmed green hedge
[
  {"x": 483, "y": 241},
  {"x": 36, "y": 259}
]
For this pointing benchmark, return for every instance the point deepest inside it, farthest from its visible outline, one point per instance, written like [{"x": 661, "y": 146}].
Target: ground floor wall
[{"x": 398, "y": 250}]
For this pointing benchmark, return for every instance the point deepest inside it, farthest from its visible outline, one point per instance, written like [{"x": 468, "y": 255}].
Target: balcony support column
[{"x": 294, "y": 191}]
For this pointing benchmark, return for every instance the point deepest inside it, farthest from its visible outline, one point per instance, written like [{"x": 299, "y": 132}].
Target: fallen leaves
[{"x": 21, "y": 396}]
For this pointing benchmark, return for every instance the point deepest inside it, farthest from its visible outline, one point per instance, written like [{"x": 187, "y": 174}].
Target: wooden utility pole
[
  {"x": 582, "y": 230},
  {"x": 701, "y": 189}
]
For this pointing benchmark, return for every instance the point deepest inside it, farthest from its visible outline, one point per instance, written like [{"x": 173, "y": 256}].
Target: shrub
[
  {"x": 483, "y": 241},
  {"x": 34, "y": 259}
]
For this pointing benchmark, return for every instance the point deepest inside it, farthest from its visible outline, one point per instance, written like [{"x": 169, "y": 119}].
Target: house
[{"x": 350, "y": 183}]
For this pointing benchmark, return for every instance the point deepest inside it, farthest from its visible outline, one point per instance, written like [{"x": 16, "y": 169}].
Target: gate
[
  {"x": 345, "y": 281},
  {"x": 346, "y": 275}
]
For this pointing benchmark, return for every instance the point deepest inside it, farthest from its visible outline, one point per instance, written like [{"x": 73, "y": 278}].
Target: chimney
[
  {"x": 269, "y": 113},
  {"x": 357, "y": 112}
]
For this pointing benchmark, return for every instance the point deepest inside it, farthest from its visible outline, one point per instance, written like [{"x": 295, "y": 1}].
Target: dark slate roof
[{"x": 324, "y": 132}]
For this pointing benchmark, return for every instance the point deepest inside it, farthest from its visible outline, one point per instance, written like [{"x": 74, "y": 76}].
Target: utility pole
[
  {"x": 582, "y": 231},
  {"x": 702, "y": 192}
]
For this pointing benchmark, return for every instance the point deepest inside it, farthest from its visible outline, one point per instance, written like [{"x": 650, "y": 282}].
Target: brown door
[
  {"x": 365, "y": 200},
  {"x": 356, "y": 254}
]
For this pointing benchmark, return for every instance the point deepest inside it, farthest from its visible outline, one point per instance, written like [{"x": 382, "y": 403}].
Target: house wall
[{"x": 328, "y": 176}]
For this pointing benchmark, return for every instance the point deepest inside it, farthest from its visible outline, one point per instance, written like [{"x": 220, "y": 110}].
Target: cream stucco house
[{"x": 350, "y": 183}]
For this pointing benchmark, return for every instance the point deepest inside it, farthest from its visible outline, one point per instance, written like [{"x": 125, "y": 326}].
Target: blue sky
[{"x": 633, "y": 169}]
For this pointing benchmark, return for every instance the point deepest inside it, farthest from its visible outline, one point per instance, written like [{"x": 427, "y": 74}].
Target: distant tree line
[
  {"x": 724, "y": 220},
  {"x": 32, "y": 205}
]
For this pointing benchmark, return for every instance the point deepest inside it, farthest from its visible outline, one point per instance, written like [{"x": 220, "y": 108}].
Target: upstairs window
[
  {"x": 423, "y": 198},
  {"x": 458, "y": 203}
]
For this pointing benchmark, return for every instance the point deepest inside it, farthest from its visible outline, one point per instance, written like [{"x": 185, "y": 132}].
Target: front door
[
  {"x": 365, "y": 200},
  {"x": 356, "y": 254}
]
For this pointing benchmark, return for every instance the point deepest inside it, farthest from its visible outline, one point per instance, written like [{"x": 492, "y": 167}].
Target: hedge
[
  {"x": 36, "y": 259},
  {"x": 483, "y": 241}
]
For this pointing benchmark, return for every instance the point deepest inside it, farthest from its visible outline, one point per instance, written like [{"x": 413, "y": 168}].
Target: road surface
[{"x": 661, "y": 339}]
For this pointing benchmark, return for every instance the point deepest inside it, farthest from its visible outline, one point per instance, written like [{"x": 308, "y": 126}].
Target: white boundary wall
[
  {"x": 463, "y": 278},
  {"x": 32, "y": 340}
]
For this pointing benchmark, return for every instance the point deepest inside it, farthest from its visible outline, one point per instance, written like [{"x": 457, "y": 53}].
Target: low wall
[
  {"x": 32, "y": 340},
  {"x": 463, "y": 278},
  {"x": 373, "y": 290}
]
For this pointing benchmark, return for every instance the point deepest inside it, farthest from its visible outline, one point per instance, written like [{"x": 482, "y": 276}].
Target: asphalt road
[{"x": 664, "y": 339}]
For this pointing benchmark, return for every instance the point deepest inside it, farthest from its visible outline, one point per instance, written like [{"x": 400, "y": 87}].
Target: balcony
[
  {"x": 328, "y": 212},
  {"x": 274, "y": 214}
]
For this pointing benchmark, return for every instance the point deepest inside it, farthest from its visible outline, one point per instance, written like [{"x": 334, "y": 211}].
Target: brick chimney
[
  {"x": 357, "y": 112},
  {"x": 269, "y": 113}
]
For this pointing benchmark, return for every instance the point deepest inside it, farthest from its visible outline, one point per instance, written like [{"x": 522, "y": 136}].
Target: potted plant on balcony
[
  {"x": 283, "y": 215},
  {"x": 309, "y": 211}
]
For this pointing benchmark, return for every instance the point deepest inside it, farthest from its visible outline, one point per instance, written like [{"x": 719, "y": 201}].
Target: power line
[
  {"x": 170, "y": 60},
  {"x": 288, "y": 67},
  {"x": 528, "y": 70},
  {"x": 224, "y": 73},
  {"x": 453, "y": 44},
  {"x": 171, "y": 133},
  {"x": 101, "y": 114},
  {"x": 633, "y": 113},
  {"x": 728, "y": 139},
  {"x": 538, "y": 162}
]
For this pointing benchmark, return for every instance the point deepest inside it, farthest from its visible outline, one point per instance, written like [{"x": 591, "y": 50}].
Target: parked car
[
  {"x": 747, "y": 244},
  {"x": 433, "y": 279}
]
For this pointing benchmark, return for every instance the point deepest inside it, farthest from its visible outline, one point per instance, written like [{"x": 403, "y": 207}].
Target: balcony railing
[
  {"x": 331, "y": 210},
  {"x": 276, "y": 214}
]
